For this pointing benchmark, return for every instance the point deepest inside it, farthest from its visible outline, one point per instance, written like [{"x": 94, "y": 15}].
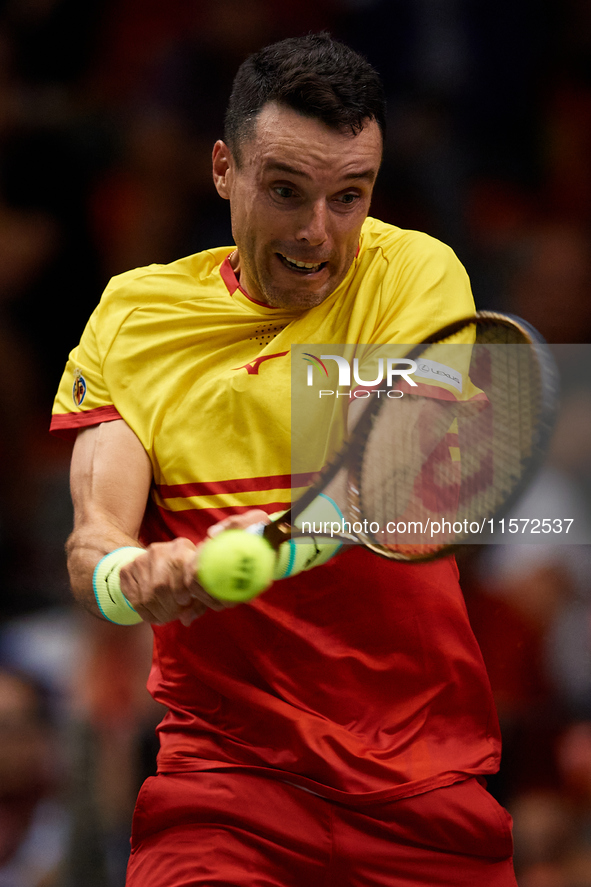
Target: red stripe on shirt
[
  {"x": 161, "y": 525},
  {"x": 236, "y": 485},
  {"x": 67, "y": 425}
]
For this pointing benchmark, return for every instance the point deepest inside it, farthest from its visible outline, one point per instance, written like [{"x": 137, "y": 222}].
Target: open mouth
[{"x": 301, "y": 267}]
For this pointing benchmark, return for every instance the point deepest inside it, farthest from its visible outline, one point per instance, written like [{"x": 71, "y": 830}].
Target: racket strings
[
  {"x": 414, "y": 493},
  {"x": 498, "y": 443}
]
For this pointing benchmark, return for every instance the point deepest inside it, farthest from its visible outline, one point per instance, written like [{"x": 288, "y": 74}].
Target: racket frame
[{"x": 284, "y": 528}]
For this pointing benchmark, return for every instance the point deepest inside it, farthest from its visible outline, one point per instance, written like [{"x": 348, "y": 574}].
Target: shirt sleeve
[
  {"x": 424, "y": 288},
  {"x": 83, "y": 398}
]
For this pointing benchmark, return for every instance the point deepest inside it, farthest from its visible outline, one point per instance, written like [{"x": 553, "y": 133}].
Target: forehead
[{"x": 283, "y": 136}]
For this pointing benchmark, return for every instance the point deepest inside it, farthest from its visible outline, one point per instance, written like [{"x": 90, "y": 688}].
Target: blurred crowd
[{"x": 108, "y": 112}]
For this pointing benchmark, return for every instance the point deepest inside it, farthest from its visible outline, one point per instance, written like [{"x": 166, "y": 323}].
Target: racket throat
[{"x": 277, "y": 533}]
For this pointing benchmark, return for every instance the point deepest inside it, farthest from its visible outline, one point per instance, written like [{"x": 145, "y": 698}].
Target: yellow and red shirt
[{"x": 360, "y": 678}]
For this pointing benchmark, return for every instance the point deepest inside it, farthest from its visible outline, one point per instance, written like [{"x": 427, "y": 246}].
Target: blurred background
[{"x": 108, "y": 112}]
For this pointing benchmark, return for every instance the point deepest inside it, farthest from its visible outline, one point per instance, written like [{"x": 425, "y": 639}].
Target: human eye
[
  {"x": 347, "y": 199},
  {"x": 283, "y": 192}
]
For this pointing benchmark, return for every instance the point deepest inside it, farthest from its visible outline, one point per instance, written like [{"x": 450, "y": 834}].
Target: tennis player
[{"x": 339, "y": 728}]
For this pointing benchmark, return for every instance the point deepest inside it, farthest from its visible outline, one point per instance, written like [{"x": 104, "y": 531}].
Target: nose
[{"x": 313, "y": 225}]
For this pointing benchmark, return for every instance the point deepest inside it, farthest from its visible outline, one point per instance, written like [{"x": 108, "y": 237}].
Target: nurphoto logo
[{"x": 391, "y": 369}]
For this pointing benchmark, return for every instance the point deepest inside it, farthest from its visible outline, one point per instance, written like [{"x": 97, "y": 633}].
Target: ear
[{"x": 223, "y": 169}]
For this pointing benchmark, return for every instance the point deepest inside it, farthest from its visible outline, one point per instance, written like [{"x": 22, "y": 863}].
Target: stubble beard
[{"x": 267, "y": 291}]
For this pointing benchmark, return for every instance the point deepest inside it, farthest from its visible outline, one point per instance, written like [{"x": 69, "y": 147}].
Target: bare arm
[
  {"x": 110, "y": 482},
  {"x": 111, "y": 476}
]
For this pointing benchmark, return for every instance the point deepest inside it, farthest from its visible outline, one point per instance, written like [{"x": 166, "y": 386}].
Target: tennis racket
[{"x": 426, "y": 472}]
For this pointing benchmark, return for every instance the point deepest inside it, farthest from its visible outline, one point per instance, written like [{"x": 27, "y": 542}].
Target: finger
[
  {"x": 148, "y": 616},
  {"x": 159, "y": 611},
  {"x": 240, "y": 521},
  {"x": 149, "y": 585},
  {"x": 168, "y": 570},
  {"x": 150, "y": 610},
  {"x": 198, "y": 593},
  {"x": 189, "y": 614},
  {"x": 161, "y": 575},
  {"x": 194, "y": 591},
  {"x": 186, "y": 589}
]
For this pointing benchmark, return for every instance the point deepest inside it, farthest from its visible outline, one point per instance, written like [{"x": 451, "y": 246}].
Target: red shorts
[{"x": 242, "y": 830}]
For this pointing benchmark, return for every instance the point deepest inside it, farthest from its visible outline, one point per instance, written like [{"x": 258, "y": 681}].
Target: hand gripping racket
[{"x": 424, "y": 473}]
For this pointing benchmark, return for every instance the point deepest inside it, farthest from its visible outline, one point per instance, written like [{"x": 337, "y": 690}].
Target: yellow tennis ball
[{"x": 236, "y": 565}]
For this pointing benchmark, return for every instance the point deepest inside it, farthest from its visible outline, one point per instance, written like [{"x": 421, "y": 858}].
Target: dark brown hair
[{"x": 315, "y": 75}]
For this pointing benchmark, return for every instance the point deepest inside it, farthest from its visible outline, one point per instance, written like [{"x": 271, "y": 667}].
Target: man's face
[{"x": 298, "y": 201}]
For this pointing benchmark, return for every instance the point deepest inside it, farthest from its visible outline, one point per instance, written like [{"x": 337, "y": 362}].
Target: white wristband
[{"x": 105, "y": 581}]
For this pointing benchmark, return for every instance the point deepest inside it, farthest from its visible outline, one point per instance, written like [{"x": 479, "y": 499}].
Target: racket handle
[{"x": 277, "y": 532}]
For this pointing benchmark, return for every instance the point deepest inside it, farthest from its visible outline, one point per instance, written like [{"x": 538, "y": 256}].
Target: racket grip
[{"x": 277, "y": 532}]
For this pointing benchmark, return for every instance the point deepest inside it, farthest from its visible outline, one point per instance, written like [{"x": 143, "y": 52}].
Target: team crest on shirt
[{"x": 78, "y": 388}]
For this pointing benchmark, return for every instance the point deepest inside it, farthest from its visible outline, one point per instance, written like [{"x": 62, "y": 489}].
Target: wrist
[{"x": 110, "y": 600}]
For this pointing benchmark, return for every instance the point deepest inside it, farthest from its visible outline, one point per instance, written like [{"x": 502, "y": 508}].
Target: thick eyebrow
[{"x": 278, "y": 166}]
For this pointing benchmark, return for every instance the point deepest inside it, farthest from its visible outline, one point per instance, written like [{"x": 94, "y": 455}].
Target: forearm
[{"x": 110, "y": 482}]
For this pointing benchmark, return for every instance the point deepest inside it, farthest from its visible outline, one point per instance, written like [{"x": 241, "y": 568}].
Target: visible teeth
[{"x": 307, "y": 265}]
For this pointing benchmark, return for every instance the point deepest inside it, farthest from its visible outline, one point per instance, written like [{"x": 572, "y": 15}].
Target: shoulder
[
  {"x": 416, "y": 283},
  {"x": 403, "y": 246},
  {"x": 154, "y": 293},
  {"x": 171, "y": 283}
]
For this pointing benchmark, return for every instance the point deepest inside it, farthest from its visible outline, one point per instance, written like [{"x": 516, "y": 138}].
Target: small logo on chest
[{"x": 252, "y": 368}]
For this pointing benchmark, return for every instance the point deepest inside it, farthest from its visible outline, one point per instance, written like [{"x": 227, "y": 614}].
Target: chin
[
  {"x": 302, "y": 297},
  {"x": 297, "y": 299}
]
